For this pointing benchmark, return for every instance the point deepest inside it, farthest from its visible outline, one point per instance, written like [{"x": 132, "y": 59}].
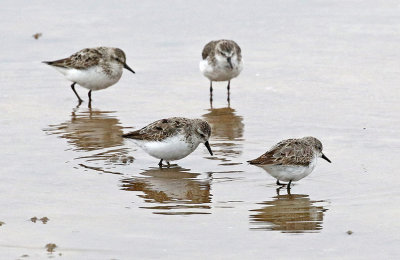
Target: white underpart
[
  {"x": 290, "y": 172},
  {"x": 221, "y": 71},
  {"x": 170, "y": 149},
  {"x": 94, "y": 77}
]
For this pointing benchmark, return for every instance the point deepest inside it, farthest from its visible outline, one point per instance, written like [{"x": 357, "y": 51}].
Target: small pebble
[
  {"x": 44, "y": 220},
  {"x": 37, "y": 35},
  {"x": 50, "y": 247}
]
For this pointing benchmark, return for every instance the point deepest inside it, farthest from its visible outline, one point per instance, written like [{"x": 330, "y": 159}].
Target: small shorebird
[
  {"x": 172, "y": 138},
  {"x": 92, "y": 68},
  {"x": 222, "y": 61},
  {"x": 291, "y": 159}
]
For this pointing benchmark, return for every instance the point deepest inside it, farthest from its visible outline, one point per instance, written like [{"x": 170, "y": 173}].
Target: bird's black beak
[
  {"x": 128, "y": 68},
  {"x": 208, "y": 147},
  {"x": 326, "y": 158},
  {"x": 230, "y": 62}
]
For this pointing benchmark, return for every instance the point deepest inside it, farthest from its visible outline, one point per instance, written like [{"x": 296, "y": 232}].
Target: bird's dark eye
[{"x": 202, "y": 136}]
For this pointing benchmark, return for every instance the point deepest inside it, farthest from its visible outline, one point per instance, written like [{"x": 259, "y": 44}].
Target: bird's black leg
[
  {"x": 229, "y": 93},
  {"x": 90, "y": 99},
  {"x": 288, "y": 185},
  {"x": 211, "y": 95},
  {"x": 73, "y": 88},
  {"x": 168, "y": 164},
  {"x": 160, "y": 163},
  {"x": 278, "y": 183}
]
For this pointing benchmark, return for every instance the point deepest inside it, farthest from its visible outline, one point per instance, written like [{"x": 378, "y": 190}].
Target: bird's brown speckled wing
[
  {"x": 208, "y": 49},
  {"x": 238, "y": 50},
  {"x": 159, "y": 130},
  {"x": 287, "y": 152},
  {"x": 83, "y": 59}
]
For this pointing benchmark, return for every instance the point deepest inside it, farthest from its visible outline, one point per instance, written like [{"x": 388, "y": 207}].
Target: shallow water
[{"x": 328, "y": 70}]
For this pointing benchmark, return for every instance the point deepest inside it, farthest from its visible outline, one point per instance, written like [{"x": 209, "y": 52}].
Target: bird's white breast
[
  {"x": 290, "y": 172},
  {"x": 221, "y": 71},
  {"x": 93, "y": 78},
  {"x": 170, "y": 149}
]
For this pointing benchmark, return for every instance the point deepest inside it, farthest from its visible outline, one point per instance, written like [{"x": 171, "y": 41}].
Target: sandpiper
[
  {"x": 291, "y": 159},
  {"x": 222, "y": 61},
  {"x": 92, "y": 68},
  {"x": 172, "y": 138}
]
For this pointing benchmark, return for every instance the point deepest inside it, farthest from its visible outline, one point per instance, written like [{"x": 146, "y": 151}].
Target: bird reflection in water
[
  {"x": 227, "y": 131},
  {"x": 173, "y": 191},
  {"x": 290, "y": 213},
  {"x": 92, "y": 130}
]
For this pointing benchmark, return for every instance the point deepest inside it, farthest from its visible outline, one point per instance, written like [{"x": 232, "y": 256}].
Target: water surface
[{"x": 326, "y": 69}]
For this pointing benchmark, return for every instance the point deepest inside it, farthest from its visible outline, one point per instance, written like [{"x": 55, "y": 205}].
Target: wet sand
[{"x": 330, "y": 70}]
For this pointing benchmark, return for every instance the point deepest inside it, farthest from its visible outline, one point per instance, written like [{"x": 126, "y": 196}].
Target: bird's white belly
[
  {"x": 171, "y": 149},
  {"x": 221, "y": 71},
  {"x": 93, "y": 78},
  {"x": 289, "y": 172}
]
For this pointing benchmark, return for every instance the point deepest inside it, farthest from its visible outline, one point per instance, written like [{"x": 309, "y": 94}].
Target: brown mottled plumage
[
  {"x": 164, "y": 128},
  {"x": 209, "y": 49},
  {"x": 82, "y": 59}
]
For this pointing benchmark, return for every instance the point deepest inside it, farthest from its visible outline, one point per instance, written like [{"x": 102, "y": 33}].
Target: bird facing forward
[{"x": 221, "y": 61}]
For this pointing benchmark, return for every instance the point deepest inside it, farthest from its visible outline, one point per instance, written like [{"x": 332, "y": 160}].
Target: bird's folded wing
[
  {"x": 158, "y": 130},
  {"x": 208, "y": 49},
  {"x": 81, "y": 60},
  {"x": 286, "y": 153}
]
